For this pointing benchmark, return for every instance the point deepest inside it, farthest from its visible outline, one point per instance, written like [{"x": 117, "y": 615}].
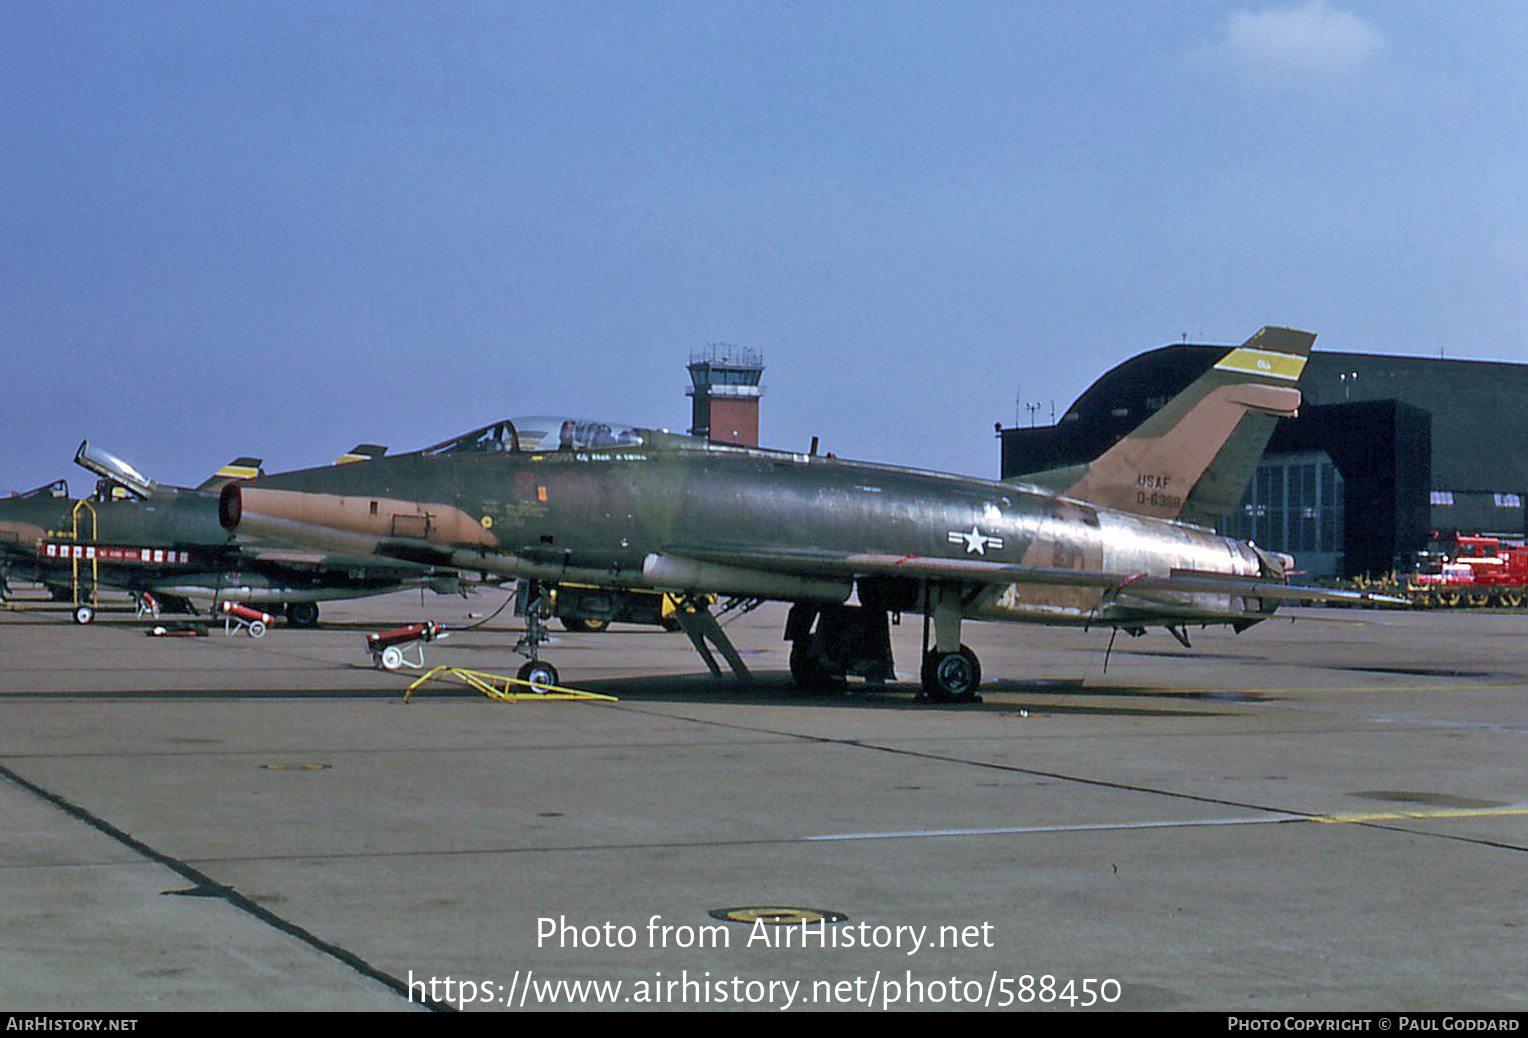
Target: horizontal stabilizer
[
  {"x": 361, "y": 452},
  {"x": 238, "y": 468}
]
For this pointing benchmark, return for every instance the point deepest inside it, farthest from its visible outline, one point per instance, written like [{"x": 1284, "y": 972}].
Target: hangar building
[{"x": 1385, "y": 452}]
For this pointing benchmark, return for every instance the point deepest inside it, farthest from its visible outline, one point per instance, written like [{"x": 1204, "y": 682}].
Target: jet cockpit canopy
[
  {"x": 57, "y": 488},
  {"x": 541, "y": 433},
  {"x": 108, "y": 466},
  {"x": 548, "y": 433}
]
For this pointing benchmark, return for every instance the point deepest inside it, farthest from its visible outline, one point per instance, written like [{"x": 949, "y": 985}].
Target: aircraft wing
[{"x": 979, "y": 571}]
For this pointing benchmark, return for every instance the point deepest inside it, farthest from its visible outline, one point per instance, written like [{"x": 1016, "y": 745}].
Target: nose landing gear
[{"x": 537, "y": 606}]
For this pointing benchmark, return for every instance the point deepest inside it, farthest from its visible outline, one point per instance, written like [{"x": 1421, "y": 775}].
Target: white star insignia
[{"x": 976, "y": 542}]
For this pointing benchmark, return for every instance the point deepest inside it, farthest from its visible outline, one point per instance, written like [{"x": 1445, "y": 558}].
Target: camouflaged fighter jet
[
  {"x": 1118, "y": 543},
  {"x": 165, "y": 542}
]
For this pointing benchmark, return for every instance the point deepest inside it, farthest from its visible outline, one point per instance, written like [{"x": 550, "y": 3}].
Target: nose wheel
[{"x": 539, "y": 674}]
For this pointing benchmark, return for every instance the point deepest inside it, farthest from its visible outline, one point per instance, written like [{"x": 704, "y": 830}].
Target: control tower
[{"x": 724, "y": 387}]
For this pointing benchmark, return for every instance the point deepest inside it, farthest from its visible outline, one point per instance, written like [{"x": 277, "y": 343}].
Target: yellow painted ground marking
[
  {"x": 1396, "y": 816},
  {"x": 1273, "y": 818}
]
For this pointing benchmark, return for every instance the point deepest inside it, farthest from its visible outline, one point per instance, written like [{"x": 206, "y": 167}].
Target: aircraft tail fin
[
  {"x": 1192, "y": 460},
  {"x": 238, "y": 468}
]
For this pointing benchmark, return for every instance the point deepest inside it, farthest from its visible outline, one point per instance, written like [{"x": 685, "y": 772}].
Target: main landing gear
[
  {"x": 952, "y": 677},
  {"x": 832, "y": 643},
  {"x": 302, "y": 614},
  {"x": 951, "y": 672},
  {"x": 848, "y": 641}
]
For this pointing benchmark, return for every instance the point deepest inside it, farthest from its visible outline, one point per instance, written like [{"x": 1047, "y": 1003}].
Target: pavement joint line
[
  {"x": 1080, "y": 827},
  {"x": 993, "y": 765},
  {"x": 204, "y": 883},
  {"x": 1272, "y": 817},
  {"x": 278, "y": 752}
]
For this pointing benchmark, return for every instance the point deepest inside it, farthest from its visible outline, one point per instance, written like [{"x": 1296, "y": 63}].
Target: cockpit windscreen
[
  {"x": 57, "y": 488},
  {"x": 541, "y": 433}
]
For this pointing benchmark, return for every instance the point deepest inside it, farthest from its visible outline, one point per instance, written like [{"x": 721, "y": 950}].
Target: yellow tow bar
[{"x": 497, "y": 686}]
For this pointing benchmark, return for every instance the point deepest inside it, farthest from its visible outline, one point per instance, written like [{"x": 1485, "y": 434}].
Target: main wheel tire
[
  {"x": 809, "y": 667},
  {"x": 952, "y": 677},
  {"x": 585, "y": 624},
  {"x": 539, "y": 674},
  {"x": 302, "y": 614}
]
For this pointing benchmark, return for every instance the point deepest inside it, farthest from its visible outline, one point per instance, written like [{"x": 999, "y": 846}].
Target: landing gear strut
[
  {"x": 952, "y": 677},
  {"x": 951, "y": 672},
  {"x": 537, "y": 607}
]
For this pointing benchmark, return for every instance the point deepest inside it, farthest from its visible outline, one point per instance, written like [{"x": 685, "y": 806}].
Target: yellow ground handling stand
[{"x": 504, "y": 689}]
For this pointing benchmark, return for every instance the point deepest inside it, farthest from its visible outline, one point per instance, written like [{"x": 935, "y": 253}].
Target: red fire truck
[{"x": 1459, "y": 569}]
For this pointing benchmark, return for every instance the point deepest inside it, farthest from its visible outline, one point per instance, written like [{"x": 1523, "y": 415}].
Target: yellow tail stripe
[{"x": 1246, "y": 361}]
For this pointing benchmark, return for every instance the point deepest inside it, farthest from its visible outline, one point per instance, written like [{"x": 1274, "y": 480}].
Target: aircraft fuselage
[{"x": 736, "y": 521}]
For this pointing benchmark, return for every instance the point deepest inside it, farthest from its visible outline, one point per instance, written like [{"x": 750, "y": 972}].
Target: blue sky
[{"x": 283, "y": 228}]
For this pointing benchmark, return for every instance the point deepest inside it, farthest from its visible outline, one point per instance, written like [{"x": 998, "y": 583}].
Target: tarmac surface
[{"x": 1324, "y": 813}]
